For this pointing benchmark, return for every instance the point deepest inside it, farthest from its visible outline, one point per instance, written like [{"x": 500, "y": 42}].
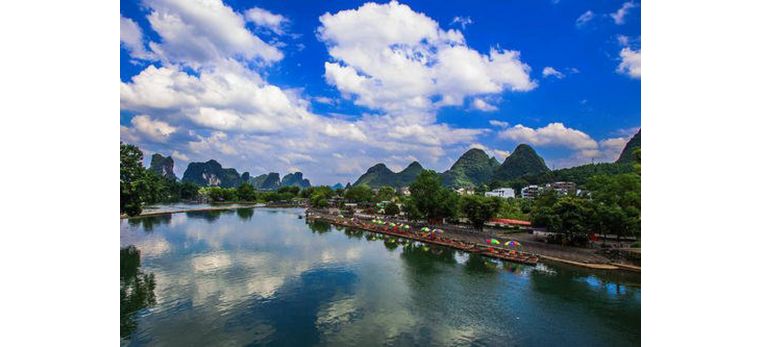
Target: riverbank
[
  {"x": 582, "y": 257},
  {"x": 171, "y": 209}
]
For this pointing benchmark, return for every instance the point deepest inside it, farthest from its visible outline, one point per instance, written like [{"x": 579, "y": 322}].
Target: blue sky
[{"x": 331, "y": 88}]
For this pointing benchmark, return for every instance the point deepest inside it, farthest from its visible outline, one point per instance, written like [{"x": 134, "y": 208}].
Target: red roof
[{"x": 511, "y": 221}]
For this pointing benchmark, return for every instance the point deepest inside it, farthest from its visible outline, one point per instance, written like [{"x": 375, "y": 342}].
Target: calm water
[{"x": 265, "y": 277}]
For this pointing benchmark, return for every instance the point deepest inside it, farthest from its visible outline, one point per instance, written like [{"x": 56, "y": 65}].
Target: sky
[{"x": 330, "y": 88}]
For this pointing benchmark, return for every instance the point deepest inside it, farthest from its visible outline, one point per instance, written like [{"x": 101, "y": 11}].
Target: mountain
[
  {"x": 295, "y": 179},
  {"x": 337, "y": 186},
  {"x": 628, "y": 153},
  {"x": 163, "y": 166},
  {"x": 269, "y": 181},
  {"x": 211, "y": 173},
  {"x": 522, "y": 161},
  {"x": 380, "y": 175},
  {"x": 472, "y": 169}
]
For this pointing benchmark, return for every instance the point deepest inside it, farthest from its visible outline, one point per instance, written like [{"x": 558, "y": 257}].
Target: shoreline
[{"x": 539, "y": 252}]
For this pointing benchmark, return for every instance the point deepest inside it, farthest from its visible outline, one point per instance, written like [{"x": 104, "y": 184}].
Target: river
[{"x": 260, "y": 276}]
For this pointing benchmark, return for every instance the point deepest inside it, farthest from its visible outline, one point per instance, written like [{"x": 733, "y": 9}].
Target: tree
[
  {"x": 431, "y": 198},
  {"x": 386, "y": 193},
  {"x": 391, "y": 209},
  {"x": 131, "y": 173},
  {"x": 480, "y": 209},
  {"x": 319, "y": 200},
  {"x": 359, "y": 193},
  {"x": 246, "y": 192}
]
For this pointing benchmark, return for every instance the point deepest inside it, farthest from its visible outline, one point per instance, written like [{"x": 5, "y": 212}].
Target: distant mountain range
[
  {"x": 475, "y": 168},
  {"x": 380, "y": 175},
  {"x": 212, "y": 174}
]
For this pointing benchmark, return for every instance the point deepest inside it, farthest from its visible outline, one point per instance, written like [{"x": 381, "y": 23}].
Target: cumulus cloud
[
  {"x": 498, "y": 123},
  {"x": 482, "y": 105},
  {"x": 392, "y": 58},
  {"x": 462, "y": 21},
  {"x": 584, "y": 18},
  {"x": 619, "y": 15},
  {"x": 266, "y": 19},
  {"x": 553, "y": 134},
  {"x": 131, "y": 36},
  {"x": 630, "y": 62},
  {"x": 200, "y": 32},
  {"x": 206, "y": 94},
  {"x": 549, "y": 71}
]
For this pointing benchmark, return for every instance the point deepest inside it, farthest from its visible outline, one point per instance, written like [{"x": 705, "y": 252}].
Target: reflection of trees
[
  {"x": 477, "y": 263},
  {"x": 136, "y": 289},
  {"x": 245, "y": 213},
  {"x": 354, "y": 233},
  {"x": 391, "y": 244},
  {"x": 606, "y": 294},
  {"x": 319, "y": 226},
  {"x": 423, "y": 258},
  {"x": 209, "y": 216},
  {"x": 149, "y": 222}
]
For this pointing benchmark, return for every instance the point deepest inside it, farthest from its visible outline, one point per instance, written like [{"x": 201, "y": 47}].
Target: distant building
[
  {"x": 563, "y": 188},
  {"x": 404, "y": 191},
  {"x": 465, "y": 191},
  {"x": 530, "y": 192},
  {"x": 504, "y": 193}
]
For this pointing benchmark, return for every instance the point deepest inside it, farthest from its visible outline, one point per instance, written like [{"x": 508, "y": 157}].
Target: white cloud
[
  {"x": 200, "y": 32},
  {"x": 553, "y": 134},
  {"x": 154, "y": 129},
  {"x": 482, "y": 105},
  {"x": 208, "y": 97},
  {"x": 584, "y": 18},
  {"x": 630, "y": 62},
  {"x": 462, "y": 21},
  {"x": 612, "y": 148},
  {"x": 619, "y": 15},
  {"x": 131, "y": 36},
  {"x": 395, "y": 59},
  {"x": 266, "y": 19},
  {"x": 498, "y": 123},
  {"x": 550, "y": 71}
]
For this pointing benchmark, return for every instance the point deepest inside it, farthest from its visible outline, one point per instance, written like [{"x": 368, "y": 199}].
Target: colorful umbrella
[
  {"x": 494, "y": 242},
  {"x": 512, "y": 243},
  {"x": 425, "y": 229}
]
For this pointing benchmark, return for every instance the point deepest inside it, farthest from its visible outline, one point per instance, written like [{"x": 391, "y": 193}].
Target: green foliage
[
  {"x": 523, "y": 161},
  {"x": 479, "y": 209},
  {"x": 431, "y": 198},
  {"x": 515, "y": 209},
  {"x": 379, "y": 175},
  {"x": 391, "y": 209},
  {"x": 293, "y": 190},
  {"x": 472, "y": 169},
  {"x": 386, "y": 193},
  {"x": 629, "y": 154},
  {"x": 359, "y": 193},
  {"x": 131, "y": 172},
  {"x": 246, "y": 192},
  {"x": 411, "y": 211},
  {"x": 319, "y": 200}
]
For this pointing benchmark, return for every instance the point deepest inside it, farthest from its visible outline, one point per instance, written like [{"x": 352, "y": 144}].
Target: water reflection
[
  {"x": 136, "y": 290},
  {"x": 149, "y": 222},
  {"x": 209, "y": 216},
  {"x": 271, "y": 279},
  {"x": 245, "y": 214}
]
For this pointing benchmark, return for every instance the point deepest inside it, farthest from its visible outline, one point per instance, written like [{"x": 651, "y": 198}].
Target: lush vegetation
[
  {"x": 474, "y": 168},
  {"x": 480, "y": 209},
  {"x": 139, "y": 186},
  {"x": 430, "y": 199},
  {"x": 523, "y": 161},
  {"x": 379, "y": 175}
]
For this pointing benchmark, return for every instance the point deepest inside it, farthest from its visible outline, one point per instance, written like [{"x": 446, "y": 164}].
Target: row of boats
[{"x": 432, "y": 238}]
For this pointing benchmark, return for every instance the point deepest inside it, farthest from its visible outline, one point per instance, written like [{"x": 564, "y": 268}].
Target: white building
[{"x": 504, "y": 193}]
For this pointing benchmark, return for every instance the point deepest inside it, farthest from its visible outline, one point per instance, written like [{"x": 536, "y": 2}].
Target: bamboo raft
[{"x": 488, "y": 251}]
